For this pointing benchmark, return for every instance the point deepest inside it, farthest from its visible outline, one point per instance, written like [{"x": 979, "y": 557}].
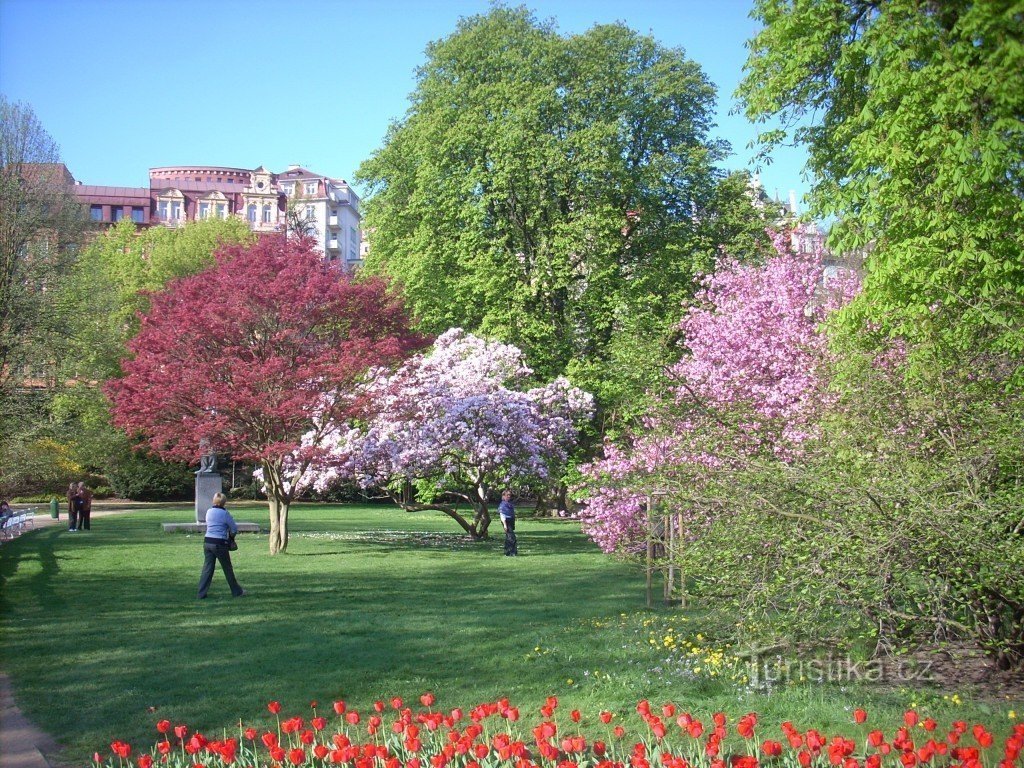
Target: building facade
[{"x": 327, "y": 209}]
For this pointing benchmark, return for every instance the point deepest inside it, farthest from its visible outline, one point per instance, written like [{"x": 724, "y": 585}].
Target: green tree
[
  {"x": 913, "y": 116},
  {"x": 40, "y": 223},
  {"x": 547, "y": 190},
  {"x": 99, "y": 307}
]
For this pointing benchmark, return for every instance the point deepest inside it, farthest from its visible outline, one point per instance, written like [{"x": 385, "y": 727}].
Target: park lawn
[{"x": 102, "y": 634}]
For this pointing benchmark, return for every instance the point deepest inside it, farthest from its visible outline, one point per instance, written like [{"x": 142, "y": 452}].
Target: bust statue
[{"x": 208, "y": 461}]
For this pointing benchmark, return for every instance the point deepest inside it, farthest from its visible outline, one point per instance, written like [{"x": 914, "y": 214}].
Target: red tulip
[
  {"x": 771, "y": 748},
  {"x": 859, "y": 715},
  {"x": 619, "y": 731},
  {"x": 427, "y": 699},
  {"x": 929, "y": 724},
  {"x": 606, "y": 717},
  {"x": 163, "y": 726},
  {"x": 910, "y": 718},
  {"x": 296, "y": 756},
  {"x": 575, "y": 715},
  {"x": 145, "y": 761},
  {"x": 352, "y": 717},
  {"x": 180, "y": 731},
  {"x": 274, "y": 707}
]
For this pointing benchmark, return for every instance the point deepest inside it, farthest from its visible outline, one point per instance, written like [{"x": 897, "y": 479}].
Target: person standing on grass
[
  {"x": 507, "y": 513},
  {"x": 220, "y": 533},
  {"x": 84, "y": 504},
  {"x": 72, "y": 508}
]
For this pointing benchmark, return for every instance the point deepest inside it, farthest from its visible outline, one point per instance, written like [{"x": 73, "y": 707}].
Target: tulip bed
[{"x": 494, "y": 735}]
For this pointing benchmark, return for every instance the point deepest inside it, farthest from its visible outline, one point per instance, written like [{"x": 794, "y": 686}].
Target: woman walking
[{"x": 220, "y": 533}]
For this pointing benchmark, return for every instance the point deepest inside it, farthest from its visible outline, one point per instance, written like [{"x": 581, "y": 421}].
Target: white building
[{"x": 328, "y": 209}]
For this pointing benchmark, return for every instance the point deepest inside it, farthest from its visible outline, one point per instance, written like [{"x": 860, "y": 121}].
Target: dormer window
[
  {"x": 288, "y": 189},
  {"x": 311, "y": 187}
]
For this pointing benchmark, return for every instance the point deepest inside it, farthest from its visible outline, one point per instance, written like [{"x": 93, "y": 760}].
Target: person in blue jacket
[
  {"x": 220, "y": 531},
  {"x": 507, "y": 513}
]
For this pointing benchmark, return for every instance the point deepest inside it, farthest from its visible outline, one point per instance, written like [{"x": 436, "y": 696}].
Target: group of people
[{"x": 79, "y": 507}]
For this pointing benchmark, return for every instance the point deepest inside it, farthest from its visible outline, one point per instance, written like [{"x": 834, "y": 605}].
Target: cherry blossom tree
[
  {"x": 455, "y": 424},
  {"x": 259, "y": 356},
  {"x": 749, "y": 385}
]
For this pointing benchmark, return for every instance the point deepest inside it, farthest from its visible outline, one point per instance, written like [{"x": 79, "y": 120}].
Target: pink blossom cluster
[
  {"x": 459, "y": 417},
  {"x": 749, "y": 382}
]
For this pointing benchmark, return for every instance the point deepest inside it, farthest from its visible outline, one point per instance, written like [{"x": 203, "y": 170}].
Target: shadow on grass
[{"x": 101, "y": 627}]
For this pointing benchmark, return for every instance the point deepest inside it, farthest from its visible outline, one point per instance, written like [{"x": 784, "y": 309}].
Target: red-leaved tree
[{"x": 258, "y": 356}]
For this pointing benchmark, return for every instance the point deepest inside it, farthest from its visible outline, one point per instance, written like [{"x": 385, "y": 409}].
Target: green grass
[{"x": 102, "y": 634}]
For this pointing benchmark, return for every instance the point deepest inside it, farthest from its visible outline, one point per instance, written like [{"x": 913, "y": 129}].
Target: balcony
[{"x": 333, "y": 244}]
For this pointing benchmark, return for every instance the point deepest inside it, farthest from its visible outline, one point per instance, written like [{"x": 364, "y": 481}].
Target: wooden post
[{"x": 650, "y": 549}]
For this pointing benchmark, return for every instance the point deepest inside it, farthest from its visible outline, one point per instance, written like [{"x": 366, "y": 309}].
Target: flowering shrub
[
  {"x": 456, "y": 422},
  {"x": 493, "y": 735},
  {"x": 750, "y": 385}
]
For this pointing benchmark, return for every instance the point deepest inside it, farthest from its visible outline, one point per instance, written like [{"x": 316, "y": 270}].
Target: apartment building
[{"x": 323, "y": 207}]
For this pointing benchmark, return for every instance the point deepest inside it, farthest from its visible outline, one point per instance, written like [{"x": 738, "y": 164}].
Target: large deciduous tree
[
  {"x": 547, "y": 190},
  {"x": 40, "y": 221},
  {"x": 259, "y": 355},
  {"x": 457, "y": 424},
  {"x": 913, "y": 115}
]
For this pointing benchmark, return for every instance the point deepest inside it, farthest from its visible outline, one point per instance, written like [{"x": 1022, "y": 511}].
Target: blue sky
[{"x": 125, "y": 85}]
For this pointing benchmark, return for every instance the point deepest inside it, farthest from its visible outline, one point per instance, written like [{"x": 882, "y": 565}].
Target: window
[
  {"x": 311, "y": 187},
  {"x": 118, "y": 212},
  {"x": 310, "y": 213},
  {"x": 288, "y": 189},
  {"x": 96, "y": 213},
  {"x": 222, "y": 210},
  {"x": 175, "y": 210},
  {"x": 251, "y": 213},
  {"x": 204, "y": 210},
  {"x": 266, "y": 214},
  {"x": 138, "y": 214},
  {"x": 163, "y": 209}
]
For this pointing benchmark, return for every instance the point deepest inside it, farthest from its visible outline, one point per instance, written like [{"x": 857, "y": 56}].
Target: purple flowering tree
[
  {"x": 454, "y": 424},
  {"x": 748, "y": 385}
]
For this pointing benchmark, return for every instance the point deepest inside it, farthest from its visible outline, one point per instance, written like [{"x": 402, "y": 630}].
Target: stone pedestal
[{"x": 208, "y": 485}]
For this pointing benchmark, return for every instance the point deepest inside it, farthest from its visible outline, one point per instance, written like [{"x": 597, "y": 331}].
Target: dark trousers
[
  {"x": 214, "y": 551},
  {"x": 72, "y": 517},
  {"x": 511, "y": 543},
  {"x": 83, "y": 519}
]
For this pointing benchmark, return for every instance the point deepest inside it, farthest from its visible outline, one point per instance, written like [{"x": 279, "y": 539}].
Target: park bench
[{"x": 17, "y": 524}]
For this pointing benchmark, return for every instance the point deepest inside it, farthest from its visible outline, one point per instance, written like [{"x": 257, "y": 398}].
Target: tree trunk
[{"x": 279, "y": 503}]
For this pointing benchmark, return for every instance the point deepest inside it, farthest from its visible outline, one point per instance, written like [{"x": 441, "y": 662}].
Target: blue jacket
[
  {"x": 506, "y": 510},
  {"x": 219, "y": 523}
]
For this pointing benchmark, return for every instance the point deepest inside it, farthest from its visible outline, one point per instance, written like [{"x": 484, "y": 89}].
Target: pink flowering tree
[
  {"x": 748, "y": 385},
  {"x": 259, "y": 356},
  {"x": 455, "y": 424}
]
